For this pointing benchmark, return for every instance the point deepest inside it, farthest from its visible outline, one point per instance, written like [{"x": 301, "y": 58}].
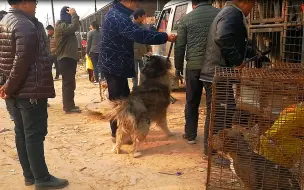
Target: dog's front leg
[{"x": 163, "y": 125}]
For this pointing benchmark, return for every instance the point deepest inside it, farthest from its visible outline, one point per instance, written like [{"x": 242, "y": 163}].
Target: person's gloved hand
[{"x": 178, "y": 73}]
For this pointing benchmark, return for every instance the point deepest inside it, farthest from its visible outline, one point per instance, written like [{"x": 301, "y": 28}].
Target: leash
[
  {"x": 170, "y": 50},
  {"x": 257, "y": 56}
]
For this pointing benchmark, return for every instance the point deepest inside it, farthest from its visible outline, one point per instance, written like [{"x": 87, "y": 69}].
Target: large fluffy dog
[
  {"x": 146, "y": 104},
  {"x": 254, "y": 170}
]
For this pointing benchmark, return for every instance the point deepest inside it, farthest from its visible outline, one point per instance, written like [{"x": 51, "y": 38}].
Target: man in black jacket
[
  {"x": 3, "y": 78},
  {"x": 192, "y": 39},
  {"x": 27, "y": 66},
  {"x": 226, "y": 47}
]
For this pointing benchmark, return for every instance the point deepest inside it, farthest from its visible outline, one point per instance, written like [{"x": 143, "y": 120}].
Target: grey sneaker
[
  {"x": 189, "y": 140},
  {"x": 52, "y": 183}
]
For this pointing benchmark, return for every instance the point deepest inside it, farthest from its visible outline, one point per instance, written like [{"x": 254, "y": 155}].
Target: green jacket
[
  {"x": 140, "y": 49},
  {"x": 65, "y": 39},
  {"x": 192, "y": 36}
]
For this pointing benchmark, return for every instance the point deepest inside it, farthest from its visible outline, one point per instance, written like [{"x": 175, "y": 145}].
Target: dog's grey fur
[
  {"x": 254, "y": 170},
  {"x": 147, "y": 103}
]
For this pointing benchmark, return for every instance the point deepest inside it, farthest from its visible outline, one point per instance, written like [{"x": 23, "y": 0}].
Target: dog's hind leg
[
  {"x": 119, "y": 141},
  {"x": 134, "y": 149},
  {"x": 163, "y": 125}
]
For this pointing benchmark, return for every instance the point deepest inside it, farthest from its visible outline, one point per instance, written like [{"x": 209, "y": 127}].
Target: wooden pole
[
  {"x": 53, "y": 13},
  {"x": 95, "y": 6}
]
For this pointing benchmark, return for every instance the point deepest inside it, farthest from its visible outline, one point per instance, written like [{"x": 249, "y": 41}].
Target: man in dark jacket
[
  {"x": 140, "y": 16},
  {"x": 26, "y": 64},
  {"x": 226, "y": 47},
  {"x": 67, "y": 55},
  {"x": 51, "y": 40},
  {"x": 116, "y": 58},
  {"x": 3, "y": 78},
  {"x": 192, "y": 38}
]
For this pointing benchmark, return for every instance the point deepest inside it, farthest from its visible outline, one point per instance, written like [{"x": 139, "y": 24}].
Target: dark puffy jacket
[
  {"x": 227, "y": 40},
  {"x": 2, "y": 76},
  {"x": 117, "y": 41},
  {"x": 192, "y": 36},
  {"x": 24, "y": 58}
]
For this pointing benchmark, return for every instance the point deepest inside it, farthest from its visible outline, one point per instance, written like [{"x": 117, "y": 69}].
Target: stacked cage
[
  {"x": 293, "y": 32},
  {"x": 257, "y": 119},
  {"x": 277, "y": 25},
  {"x": 257, "y": 122}
]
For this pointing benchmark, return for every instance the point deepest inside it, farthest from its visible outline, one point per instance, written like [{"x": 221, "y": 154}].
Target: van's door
[{"x": 168, "y": 22}]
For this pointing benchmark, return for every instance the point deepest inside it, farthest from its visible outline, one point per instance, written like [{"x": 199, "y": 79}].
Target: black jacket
[
  {"x": 192, "y": 36},
  {"x": 227, "y": 41},
  {"x": 2, "y": 76},
  {"x": 24, "y": 58}
]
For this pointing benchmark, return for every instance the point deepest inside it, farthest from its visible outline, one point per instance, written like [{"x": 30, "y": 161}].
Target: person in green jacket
[
  {"x": 192, "y": 39},
  {"x": 67, "y": 55}
]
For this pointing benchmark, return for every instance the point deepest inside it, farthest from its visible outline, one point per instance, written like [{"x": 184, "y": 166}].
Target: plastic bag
[
  {"x": 283, "y": 142},
  {"x": 89, "y": 64}
]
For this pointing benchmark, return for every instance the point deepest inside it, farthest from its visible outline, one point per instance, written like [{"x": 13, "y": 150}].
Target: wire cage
[
  {"x": 257, "y": 122},
  {"x": 268, "y": 11},
  {"x": 271, "y": 39},
  {"x": 284, "y": 36},
  {"x": 220, "y": 3},
  {"x": 292, "y": 45}
]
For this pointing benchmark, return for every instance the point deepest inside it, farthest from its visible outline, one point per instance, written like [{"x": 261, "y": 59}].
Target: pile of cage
[
  {"x": 257, "y": 122},
  {"x": 278, "y": 25}
]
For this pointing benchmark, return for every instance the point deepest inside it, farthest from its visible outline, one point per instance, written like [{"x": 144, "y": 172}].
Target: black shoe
[
  {"x": 189, "y": 140},
  {"x": 52, "y": 183},
  {"x": 73, "y": 110},
  {"x": 29, "y": 182}
]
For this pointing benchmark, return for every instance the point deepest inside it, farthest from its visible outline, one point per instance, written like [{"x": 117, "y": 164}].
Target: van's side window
[
  {"x": 164, "y": 20},
  {"x": 180, "y": 11}
]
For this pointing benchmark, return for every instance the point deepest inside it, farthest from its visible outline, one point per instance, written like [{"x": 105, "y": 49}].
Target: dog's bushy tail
[{"x": 124, "y": 109}]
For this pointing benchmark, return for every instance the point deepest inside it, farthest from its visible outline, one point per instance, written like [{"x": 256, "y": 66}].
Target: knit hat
[{"x": 64, "y": 16}]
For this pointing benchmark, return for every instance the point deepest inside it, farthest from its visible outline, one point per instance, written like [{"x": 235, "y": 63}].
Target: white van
[{"x": 171, "y": 14}]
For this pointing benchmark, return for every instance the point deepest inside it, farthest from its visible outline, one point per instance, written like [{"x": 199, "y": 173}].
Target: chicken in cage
[{"x": 257, "y": 122}]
